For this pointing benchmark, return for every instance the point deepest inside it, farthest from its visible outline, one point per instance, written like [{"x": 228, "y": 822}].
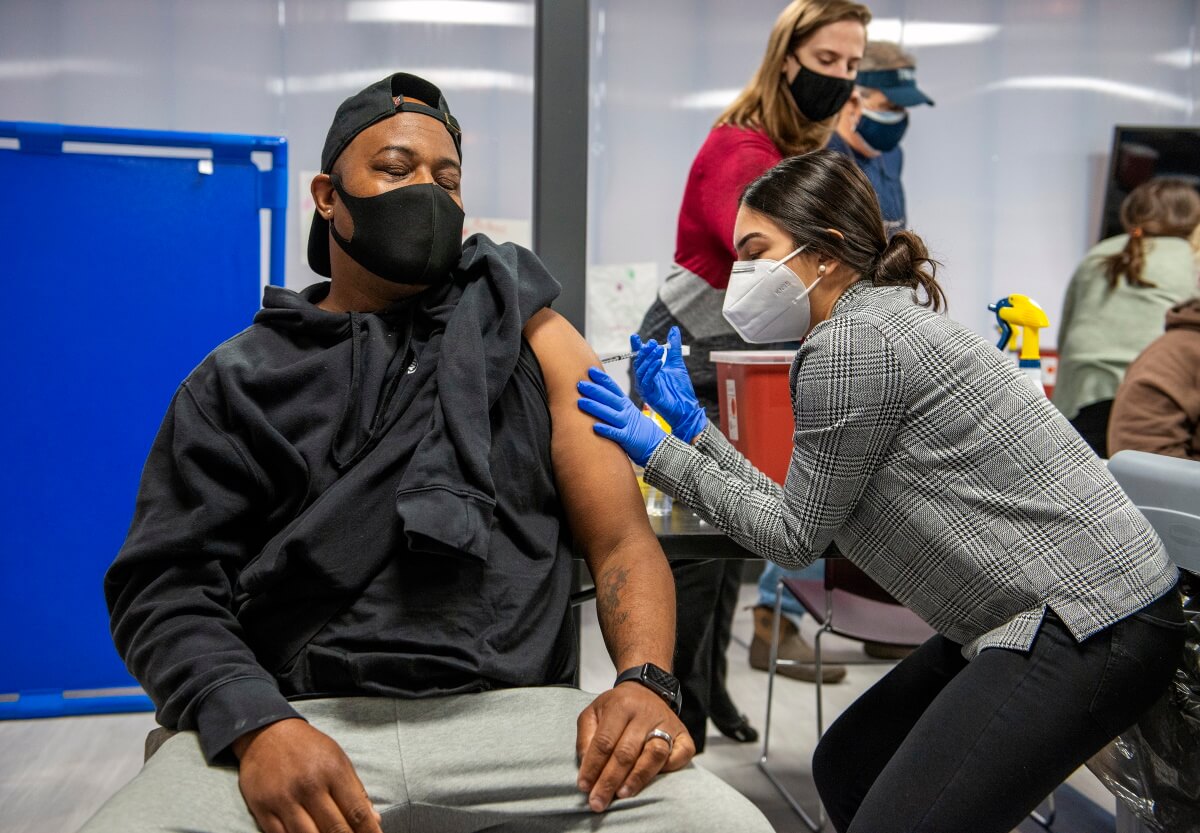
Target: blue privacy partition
[{"x": 126, "y": 256}]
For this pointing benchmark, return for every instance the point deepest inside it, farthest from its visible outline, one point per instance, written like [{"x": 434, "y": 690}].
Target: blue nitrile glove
[
  {"x": 620, "y": 420},
  {"x": 666, "y": 386}
]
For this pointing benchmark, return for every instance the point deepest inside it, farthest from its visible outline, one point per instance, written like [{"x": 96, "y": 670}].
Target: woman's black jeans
[{"x": 940, "y": 745}]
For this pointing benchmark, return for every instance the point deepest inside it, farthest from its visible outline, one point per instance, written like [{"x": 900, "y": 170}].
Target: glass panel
[{"x": 1004, "y": 176}]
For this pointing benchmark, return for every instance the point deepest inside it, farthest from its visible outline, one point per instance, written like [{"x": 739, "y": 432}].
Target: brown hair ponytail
[
  {"x": 806, "y": 195},
  {"x": 906, "y": 262},
  {"x": 1162, "y": 207}
]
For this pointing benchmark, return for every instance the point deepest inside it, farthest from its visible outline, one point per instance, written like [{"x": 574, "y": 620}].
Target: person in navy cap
[{"x": 875, "y": 121}]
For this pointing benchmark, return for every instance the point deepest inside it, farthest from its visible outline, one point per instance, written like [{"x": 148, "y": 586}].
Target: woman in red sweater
[{"x": 789, "y": 107}]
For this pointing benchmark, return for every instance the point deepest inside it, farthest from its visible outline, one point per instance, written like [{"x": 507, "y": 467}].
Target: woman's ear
[
  {"x": 826, "y": 266},
  {"x": 791, "y": 67},
  {"x": 830, "y": 263}
]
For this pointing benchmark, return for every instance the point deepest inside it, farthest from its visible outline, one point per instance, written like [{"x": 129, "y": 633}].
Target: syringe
[{"x": 620, "y": 357}]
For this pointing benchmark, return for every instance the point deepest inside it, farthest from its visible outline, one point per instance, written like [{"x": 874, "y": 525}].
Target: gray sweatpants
[{"x": 496, "y": 761}]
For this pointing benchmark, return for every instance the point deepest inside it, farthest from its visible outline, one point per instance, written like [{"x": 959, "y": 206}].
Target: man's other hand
[
  {"x": 616, "y": 756},
  {"x": 296, "y": 779}
]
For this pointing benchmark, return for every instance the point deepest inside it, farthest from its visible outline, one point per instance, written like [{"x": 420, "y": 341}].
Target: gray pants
[{"x": 496, "y": 761}]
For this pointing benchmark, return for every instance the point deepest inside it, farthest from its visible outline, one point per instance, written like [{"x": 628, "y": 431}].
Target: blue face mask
[{"x": 882, "y": 129}]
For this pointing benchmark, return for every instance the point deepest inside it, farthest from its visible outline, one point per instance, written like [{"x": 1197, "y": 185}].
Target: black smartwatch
[{"x": 657, "y": 680}]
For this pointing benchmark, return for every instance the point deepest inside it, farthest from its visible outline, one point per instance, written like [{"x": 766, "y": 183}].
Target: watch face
[{"x": 661, "y": 679}]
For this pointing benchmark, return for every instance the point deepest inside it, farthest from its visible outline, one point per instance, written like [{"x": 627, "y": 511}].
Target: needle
[{"x": 620, "y": 357}]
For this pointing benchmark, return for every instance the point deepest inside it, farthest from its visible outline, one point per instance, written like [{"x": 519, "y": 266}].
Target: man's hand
[
  {"x": 296, "y": 779},
  {"x": 611, "y": 745}
]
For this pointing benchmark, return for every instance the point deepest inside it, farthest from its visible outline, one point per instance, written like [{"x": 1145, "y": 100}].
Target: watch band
[{"x": 657, "y": 680}]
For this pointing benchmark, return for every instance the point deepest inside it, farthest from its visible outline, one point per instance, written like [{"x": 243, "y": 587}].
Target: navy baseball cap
[
  {"x": 398, "y": 93},
  {"x": 899, "y": 85}
]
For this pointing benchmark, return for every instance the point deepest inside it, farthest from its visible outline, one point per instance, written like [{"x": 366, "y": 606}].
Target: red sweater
[{"x": 727, "y": 162}]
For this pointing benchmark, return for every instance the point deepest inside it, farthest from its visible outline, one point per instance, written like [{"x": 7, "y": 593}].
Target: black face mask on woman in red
[{"x": 819, "y": 96}]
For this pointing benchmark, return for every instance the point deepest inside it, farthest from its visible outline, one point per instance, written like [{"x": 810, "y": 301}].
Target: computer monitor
[
  {"x": 1167, "y": 491},
  {"x": 1140, "y": 154}
]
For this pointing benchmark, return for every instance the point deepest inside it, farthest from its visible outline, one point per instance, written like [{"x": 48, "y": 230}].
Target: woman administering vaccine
[
  {"x": 943, "y": 473},
  {"x": 788, "y": 107}
]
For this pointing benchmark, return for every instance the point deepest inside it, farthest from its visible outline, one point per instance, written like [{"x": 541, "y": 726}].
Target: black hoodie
[{"x": 319, "y": 513}]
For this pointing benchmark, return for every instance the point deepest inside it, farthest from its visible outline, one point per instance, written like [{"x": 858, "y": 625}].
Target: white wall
[
  {"x": 274, "y": 67},
  {"x": 1004, "y": 176}
]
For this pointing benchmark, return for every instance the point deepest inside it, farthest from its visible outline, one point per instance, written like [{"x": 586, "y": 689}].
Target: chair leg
[
  {"x": 774, "y": 658},
  {"x": 809, "y": 822},
  {"x": 1047, "y": 819},
  {"x": 821, "y": 631},
  {"x": 820, "y": 700}
]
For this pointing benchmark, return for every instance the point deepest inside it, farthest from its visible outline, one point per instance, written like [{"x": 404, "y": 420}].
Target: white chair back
[{"x": 1167, "y": 491}]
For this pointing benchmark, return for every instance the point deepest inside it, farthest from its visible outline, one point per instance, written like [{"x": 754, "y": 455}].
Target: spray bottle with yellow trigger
[{"x": 1021, "y": 314}]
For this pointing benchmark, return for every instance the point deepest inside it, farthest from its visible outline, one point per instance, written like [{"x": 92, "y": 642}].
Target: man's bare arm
[{"x": 635, "y": 591}]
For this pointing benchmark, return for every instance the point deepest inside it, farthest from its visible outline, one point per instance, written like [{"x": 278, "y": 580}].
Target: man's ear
[
  {"x": 323, "y": 194},
  {"x": 853, "y": 108}
]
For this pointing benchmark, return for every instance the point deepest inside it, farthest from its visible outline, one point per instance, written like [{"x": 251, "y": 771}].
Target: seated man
[{"x": 347, "y": 578}]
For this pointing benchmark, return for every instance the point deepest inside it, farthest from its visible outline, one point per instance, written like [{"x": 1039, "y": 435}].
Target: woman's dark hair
[
  {"x": 809, "y": 194},
  {"x": 1162, "y": 207}
]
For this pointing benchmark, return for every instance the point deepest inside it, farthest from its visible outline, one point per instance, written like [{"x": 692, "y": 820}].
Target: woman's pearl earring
[{"x": 821, "y": 271}]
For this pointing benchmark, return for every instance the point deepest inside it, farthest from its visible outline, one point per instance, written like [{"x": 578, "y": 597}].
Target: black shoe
[{"x": 741, "y": 731}]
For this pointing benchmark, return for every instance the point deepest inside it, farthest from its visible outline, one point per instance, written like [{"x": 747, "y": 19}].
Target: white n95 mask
[{"x": 766, "y": 301}]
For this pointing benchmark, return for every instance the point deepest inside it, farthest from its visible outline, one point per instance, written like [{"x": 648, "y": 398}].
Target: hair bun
[
  {"x": 906, "y": 262},
  {"x": 895, "y": 263}
]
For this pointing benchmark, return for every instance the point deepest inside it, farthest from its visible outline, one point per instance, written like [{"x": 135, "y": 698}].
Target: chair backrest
[
  {"x": 840, "y": 574},
  {"x": 1167, "y": 491}
]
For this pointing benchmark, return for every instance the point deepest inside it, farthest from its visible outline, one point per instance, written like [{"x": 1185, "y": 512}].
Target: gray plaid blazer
[{"x": 942, "y": 471}]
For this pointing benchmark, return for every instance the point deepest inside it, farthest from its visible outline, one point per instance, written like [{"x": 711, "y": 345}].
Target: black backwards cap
[{"x": 380, "y": 101}]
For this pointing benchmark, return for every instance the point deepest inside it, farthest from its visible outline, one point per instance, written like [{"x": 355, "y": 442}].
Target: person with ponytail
[
  {"x": 1118, "y": 297},
  {"x": 788, "y": 107},
  {"x": 937, "y": 467},
  {"x": 869, "y": 128}
]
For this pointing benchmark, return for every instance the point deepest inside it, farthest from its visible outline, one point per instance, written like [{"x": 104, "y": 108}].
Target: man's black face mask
[{"x": 409, "y": 235}]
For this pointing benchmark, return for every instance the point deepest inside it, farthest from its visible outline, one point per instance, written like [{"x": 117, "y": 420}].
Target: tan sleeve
[{"x": 1157, "y": 407}]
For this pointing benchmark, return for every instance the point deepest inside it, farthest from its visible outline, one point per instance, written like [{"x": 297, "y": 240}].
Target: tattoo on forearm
[{"x": 608, "y": 596}]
